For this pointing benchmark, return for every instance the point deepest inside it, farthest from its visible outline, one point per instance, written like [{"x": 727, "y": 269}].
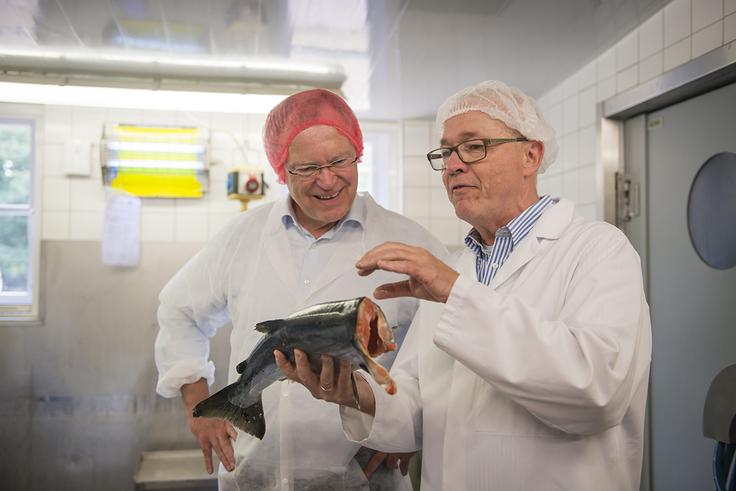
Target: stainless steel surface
[
  {"x": 609, "y": 162},
  {"x": 705, "y": 73},
  {"x": 174, "y": 469},
  {"x": 720, "y": 407},
  {"x": 628, "y": 194},
  {"x": 78, "y": 403},
  {"x": 392, "y": 59},
  {"x": 692, "y": 307},
  {"x": 635, "y": 160}
]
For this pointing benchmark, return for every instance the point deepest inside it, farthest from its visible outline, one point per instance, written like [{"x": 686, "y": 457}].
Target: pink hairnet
[{"x": 301, "y": 111}]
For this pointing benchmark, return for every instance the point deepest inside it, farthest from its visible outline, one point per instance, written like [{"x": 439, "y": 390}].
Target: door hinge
[{"x": 627, "y": 198}]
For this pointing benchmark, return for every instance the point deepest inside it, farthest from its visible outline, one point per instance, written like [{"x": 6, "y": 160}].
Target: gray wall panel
[{"x": 78, "y": 401}]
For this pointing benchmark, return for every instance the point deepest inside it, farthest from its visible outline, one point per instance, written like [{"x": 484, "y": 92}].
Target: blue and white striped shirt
[{"x": 488, "y": 262}]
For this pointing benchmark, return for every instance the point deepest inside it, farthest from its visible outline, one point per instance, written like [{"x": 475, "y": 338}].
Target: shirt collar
[
  {"x": 356, "y": 215},
  {"x": 518, "y": 228}
]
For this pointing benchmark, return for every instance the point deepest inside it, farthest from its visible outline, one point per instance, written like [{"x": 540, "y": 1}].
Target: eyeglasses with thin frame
[
  {"x": 469, "y": 151},
  {"x": 311, "y": 171}
]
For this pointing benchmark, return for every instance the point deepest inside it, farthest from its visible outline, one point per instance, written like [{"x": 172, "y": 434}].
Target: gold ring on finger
[{"x": 326, "y": 390}]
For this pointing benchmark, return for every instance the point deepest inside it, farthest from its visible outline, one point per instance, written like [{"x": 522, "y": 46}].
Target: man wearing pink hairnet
[
  {"x": 527, "y": 364},
  {"x": 267, "y": 263}
]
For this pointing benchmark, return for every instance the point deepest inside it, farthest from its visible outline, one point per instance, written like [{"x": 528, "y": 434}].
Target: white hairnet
[{"x": 507, "y": 104}]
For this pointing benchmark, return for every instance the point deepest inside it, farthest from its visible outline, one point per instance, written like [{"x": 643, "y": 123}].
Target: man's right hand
[
  {"x": 212, "y": 434},
  {"x": 429, "y": 278},
  {"x": 328, "y": 385}
]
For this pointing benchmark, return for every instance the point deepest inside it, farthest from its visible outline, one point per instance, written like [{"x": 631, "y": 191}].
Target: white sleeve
[
  {"x": 577, "y": 372},
  {"x": 192, "y": 306},
  {"x": 397, "y": 424}
]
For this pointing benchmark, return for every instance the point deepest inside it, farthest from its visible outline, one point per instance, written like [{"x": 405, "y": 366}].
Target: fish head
[{"x": 374, "y": 337}]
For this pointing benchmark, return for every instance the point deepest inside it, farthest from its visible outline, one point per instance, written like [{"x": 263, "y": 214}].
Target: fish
[{"x": 355, "y": 330}]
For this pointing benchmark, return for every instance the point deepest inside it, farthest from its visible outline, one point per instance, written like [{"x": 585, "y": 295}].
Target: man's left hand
[{"x": 393, "y": 461}]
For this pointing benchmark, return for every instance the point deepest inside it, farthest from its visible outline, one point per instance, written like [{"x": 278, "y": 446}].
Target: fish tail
[{"x": 248, "y": 419}]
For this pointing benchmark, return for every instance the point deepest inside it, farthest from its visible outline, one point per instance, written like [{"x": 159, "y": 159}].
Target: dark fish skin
[{"x": 354, "y": 330}]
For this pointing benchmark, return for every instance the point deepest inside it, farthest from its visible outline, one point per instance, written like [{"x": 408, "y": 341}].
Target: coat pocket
[{"x": 495, "y": 413}]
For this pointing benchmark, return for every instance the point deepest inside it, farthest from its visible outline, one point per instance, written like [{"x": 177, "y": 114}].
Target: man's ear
[{"x": 534, "y": 155}]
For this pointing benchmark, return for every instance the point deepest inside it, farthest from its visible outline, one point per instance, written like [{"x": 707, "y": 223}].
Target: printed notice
[{"x": 121, "y": 232}]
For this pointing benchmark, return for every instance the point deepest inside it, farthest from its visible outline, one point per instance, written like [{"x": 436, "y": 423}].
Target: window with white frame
[
  {"x": 378, "y": 169},
  {"x": 17, "y": 231}
]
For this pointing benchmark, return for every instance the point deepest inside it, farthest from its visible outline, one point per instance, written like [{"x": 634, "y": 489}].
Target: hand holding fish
[
  {"x": 352, "y": 330},
  {"x": 429, "y": 278},
  {"x": 328, "y": 385}
]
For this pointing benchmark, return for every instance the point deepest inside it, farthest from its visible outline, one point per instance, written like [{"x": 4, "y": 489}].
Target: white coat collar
[{"x": 551, "y": 225}]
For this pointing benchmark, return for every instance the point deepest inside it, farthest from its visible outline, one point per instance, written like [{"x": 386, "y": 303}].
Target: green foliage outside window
[
  {"x": 15, "y": 189},
  {"x": 15, "y": 164},
  {"x": 13, "y": 253}
]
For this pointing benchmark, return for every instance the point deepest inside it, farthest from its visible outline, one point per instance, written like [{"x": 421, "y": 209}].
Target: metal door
[{"x": 693, "y": 305}]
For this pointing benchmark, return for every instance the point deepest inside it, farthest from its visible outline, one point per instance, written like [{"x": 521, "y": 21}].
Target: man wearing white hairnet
[{"x": 527, "y": 364}]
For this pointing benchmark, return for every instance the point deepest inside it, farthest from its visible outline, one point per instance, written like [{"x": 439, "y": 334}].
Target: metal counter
[{"x": 175, "y": 470}]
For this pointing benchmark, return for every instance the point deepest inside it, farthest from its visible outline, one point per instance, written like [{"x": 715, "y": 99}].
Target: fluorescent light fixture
[
  {"x": 155, "y": 147},
  {"x": 34, "y": 53},
  {"x": 162, "y": 100},
  {"x": 224, "y": 63},
  {"x": 191, "y": 61},
  {"x": 157, "y": 164},
  {"x": 156, "y": 161}
]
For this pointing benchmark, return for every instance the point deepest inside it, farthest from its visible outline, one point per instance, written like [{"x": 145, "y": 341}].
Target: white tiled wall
[
  {"x": 570, "y": 109},
  {"x": 680, "y": 32},
  {"x": 73, "y": 207},
  {"x": 425, "y": 199}
]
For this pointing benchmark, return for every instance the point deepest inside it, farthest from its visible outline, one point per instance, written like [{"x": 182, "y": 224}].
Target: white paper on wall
[{"x": 121, "y": 232}]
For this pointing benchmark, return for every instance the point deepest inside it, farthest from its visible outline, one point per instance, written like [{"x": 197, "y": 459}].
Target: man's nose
[
  {"x": 454, "y": 164},
  {"x": 326, "y": 178}
]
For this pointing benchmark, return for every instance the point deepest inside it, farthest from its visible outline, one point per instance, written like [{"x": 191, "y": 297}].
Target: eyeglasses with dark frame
[
  {"x": 469, "y": 151},
  {"x": 311, "y": 171}
]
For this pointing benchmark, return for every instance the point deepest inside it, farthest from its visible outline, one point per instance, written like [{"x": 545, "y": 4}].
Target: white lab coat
[
  {"x": 536, "y": 382},
  {"x": 247, "y": 274}
]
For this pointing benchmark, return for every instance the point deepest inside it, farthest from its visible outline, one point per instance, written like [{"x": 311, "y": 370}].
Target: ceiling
[{"x": 391, "y": 59}]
